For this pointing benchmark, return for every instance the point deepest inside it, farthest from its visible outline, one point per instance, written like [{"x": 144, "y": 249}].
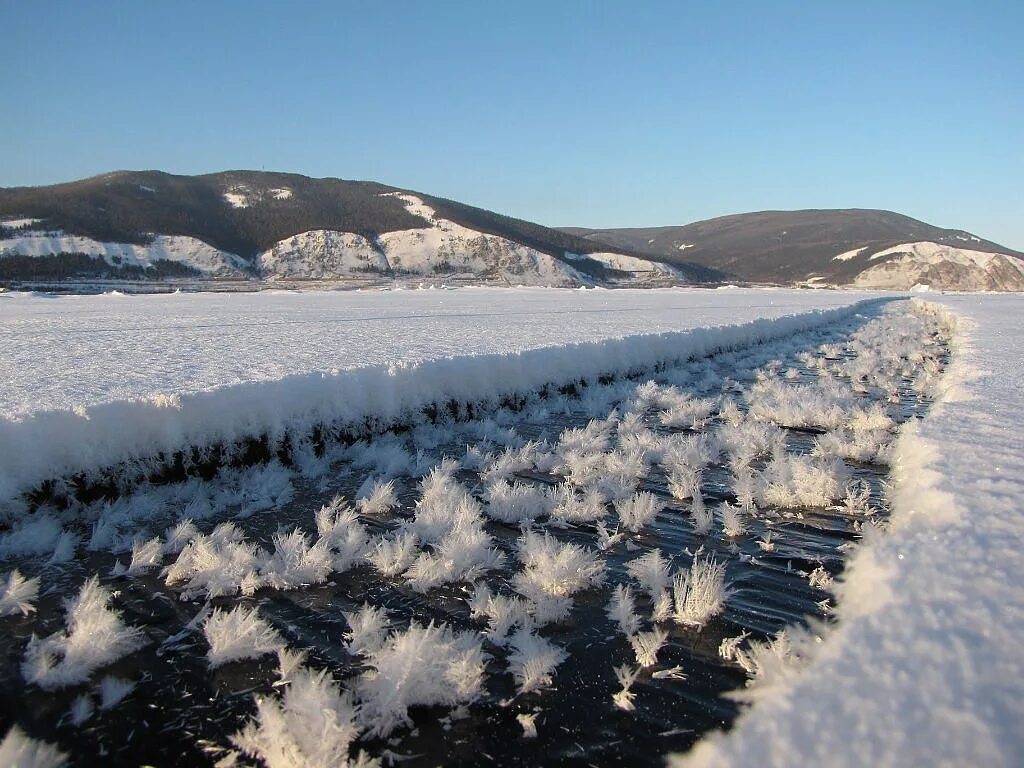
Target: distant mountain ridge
[
  {"x": 261, "y": 225},
  {"x": 857, "y": 247},
  {"x": 256, "y": 227}
]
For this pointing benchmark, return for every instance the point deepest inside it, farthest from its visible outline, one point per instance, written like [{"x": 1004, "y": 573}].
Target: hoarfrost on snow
[
  {"x": 381, "y": 499},
  {"x": 94, "y": 395},
  {"x": 651, "y": 571},
  {"x": 600, "y": 464},
  {"x": 638, "y": 511},
  {"x": 623, "y": 698},
  {"x": 646, "y": 646},
  {"x": 555, "y": 568},
  {"x": 113, "y": 691},
  {"x": 367, "y": 629},
  {"x": 312, "y": 725},
  {"x": 904, "y": 612},
  {"x": 622, "y": 610}
]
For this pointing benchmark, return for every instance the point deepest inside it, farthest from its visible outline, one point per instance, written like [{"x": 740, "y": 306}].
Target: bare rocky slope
[{"x": 858, "y": 247}]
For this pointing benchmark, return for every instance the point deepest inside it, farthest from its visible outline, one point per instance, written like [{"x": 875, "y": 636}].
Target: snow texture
[
  {"x": 925, "y": 665},
  {"x": 98, "y": 380}
]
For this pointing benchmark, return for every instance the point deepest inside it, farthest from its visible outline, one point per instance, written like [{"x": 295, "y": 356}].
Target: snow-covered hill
[
  {"x": 442, "y": 249},
  {"x": 445, "y": 248},
  {"x": 286, "y": 227},
  {"x": 178, "y": 248},
  {"x": 939, "y": 265},
  {"x": 321, "y": 254},
  {"x": 858, "y": 247}
]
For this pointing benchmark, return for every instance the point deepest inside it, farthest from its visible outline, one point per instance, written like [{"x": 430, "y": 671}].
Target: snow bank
[
  {"x": 55, "y": 444},
  {"x": 925, "y": 665}
]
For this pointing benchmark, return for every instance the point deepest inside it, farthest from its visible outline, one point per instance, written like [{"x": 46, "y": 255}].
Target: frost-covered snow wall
[
  {"x": 925, "y": 666},
  {"x": 54, "y": 444}
]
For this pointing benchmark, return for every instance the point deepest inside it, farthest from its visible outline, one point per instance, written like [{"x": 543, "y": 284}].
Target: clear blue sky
[{"x": 566, "y": 113}]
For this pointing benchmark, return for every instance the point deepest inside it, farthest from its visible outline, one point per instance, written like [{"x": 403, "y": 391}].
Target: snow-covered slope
[
  {"x": 830, "y": 247},
  {"x": 18, "y": 223},
  {"x": 449, "y": 247},
  {"x": 847, "y": 255},
  {"x": 944, "y": 266},
  {"x": 185, "y": 250},
  {"x": 290, "y": 227},
  {"x": 633, "y": 264},
  {"x": 243, "y": 195},
  {"x": 322, "y": 254},
  {"x": 443, "y": 248}
]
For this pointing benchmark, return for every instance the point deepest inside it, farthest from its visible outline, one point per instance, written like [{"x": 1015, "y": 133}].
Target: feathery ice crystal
[
  {"x": 700, "y": 593},
  {"x": 18, "y": 594},
  {"x": 95, "y": 636},
  {"x": 238, "y": 634}
]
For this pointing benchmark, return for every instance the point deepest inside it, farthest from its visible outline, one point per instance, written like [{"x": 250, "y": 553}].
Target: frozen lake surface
[
  {"x": 924, "y": 664},
  {"x": 577, "y": 463},
  {"x": 63, "y": 352}
]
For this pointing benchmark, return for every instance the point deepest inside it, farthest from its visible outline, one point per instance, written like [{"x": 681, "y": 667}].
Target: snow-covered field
[
  {"x": 63, "y": 352},
  {"x": 91, "y": 380}
]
